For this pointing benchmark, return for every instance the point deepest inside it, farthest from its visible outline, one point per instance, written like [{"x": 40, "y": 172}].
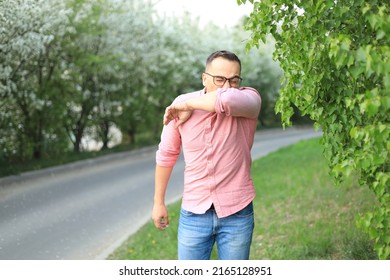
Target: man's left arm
[
  {"x": 242, "y": 102},
  {"x": 182, "y": 111}
]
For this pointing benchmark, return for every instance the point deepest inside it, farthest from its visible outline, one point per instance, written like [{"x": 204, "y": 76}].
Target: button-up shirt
[{"x": 216, "y": 148}]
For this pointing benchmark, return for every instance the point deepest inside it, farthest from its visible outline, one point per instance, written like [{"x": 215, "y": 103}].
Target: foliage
[
  {"x": 264, "y": 74},
  {"x": 335, "y": 57},
  {"x": 28, "y": 58}
]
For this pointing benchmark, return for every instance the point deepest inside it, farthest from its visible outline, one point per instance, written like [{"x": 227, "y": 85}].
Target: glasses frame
[{"x": 224, "y": 79}]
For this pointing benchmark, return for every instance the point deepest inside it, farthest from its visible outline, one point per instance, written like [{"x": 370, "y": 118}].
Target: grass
[{"x": 299, "y": 213}]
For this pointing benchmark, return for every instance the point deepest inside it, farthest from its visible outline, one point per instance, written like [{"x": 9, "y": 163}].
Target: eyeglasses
[{"x": 219, "y": 81}]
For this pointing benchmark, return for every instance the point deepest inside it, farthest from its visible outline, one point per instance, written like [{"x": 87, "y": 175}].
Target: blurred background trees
[{"x": 77, "y": 75}]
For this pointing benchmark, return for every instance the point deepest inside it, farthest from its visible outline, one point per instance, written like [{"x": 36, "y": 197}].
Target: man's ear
[{"x": 204, "y": 79}]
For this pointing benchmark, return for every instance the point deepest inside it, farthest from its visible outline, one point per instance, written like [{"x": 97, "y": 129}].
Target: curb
[{"x": 81, "y": 164}]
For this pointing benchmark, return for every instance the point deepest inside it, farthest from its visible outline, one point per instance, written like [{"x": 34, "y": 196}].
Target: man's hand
[
  {"x": 160, "y": 217},
  {"x": 180, "y": 112}
]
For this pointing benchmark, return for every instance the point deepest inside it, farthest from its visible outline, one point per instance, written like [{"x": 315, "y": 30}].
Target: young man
[{"x": 215, "y": 128}]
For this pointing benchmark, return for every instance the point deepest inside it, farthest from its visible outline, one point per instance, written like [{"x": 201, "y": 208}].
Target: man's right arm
[
  {"x": 166, "y": 157},
  {"x": 160, "y": 212}
]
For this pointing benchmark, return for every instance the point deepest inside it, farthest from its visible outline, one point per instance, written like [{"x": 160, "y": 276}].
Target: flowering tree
[{"x": 28, "y": 59}]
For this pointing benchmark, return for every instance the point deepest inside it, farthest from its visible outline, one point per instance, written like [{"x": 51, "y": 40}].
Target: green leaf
[
  {"x": 354, "y": 133},
  {"x": 380, "y": 34},
  {"x": 356, "y": 71},
  {"x": 361, "y": 55},
  {"x": 373, "y": 107}
]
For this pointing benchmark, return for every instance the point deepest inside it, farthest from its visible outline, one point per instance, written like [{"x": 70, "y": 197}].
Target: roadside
[
  {"x": 299, "y": 214},
  {"x": 77, "y": 165},
  {"x": 88, "y": 163},
  {"x": 85, "y": 209}
]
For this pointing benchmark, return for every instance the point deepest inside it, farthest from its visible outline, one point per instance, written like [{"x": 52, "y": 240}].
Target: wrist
[{"x": 159, "y": 202}]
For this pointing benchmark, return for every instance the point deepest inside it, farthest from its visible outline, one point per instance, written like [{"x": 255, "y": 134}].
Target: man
[{"x": 215, "y": 128}]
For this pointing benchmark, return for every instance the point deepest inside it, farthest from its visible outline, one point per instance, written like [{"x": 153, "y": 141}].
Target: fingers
[
  {"x": 160, "y": 216},
  {"x": 170, "y": 114},
  {"x": 161, "y": 223},
  {"x": 179, "y": 112},
  {"x": 179, "y": 123}
]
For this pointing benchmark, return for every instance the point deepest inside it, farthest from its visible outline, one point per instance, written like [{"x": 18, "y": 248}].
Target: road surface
[{"x": 85, "y": 210}]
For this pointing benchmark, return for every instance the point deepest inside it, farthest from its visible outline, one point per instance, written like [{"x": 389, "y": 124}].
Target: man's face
[{"x": 220, "y": 67}]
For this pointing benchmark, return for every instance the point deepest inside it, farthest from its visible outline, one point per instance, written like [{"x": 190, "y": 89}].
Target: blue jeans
[{"x": 197, "y": 234}]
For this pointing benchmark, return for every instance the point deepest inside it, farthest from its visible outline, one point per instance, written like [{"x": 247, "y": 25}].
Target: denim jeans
[{"x": 197, "y": 234}]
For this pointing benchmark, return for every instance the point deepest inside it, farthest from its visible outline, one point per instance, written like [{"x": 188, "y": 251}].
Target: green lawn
[{"x": 299, "y": 213}]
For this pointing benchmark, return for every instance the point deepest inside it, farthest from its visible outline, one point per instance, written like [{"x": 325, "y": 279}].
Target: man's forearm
[
  {"x": 160, "y": 212},
  {"x": 205, "y": 102},
  {"x": 182, "y": 111},
  {"x": 162, "y": 176}
]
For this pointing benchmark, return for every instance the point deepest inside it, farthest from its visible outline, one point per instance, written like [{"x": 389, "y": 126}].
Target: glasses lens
[
  {"x": 234, "y": 81},
  {"x": 219, "y": 81}
]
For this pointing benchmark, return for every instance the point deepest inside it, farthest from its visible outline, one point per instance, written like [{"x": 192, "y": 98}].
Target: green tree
[
  {"x": 83, "y": 67},
  {"x": 335, "y": 57},
  {"x": 264, "y": 74}
]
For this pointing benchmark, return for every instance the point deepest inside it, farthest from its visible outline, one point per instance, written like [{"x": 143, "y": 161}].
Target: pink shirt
[{"x": 216, "y": 148}]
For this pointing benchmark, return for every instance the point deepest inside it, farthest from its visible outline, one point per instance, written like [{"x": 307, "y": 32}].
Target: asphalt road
[{"x": 84, "y": 210}]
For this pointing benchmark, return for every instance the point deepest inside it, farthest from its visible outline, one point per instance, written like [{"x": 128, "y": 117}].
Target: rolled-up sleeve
[
  {"x": 242, "y": 102},
  {"x": 169, "y": 147}
]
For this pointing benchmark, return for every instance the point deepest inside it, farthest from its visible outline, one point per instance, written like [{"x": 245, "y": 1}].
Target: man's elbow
[{"x": 253, "y": 109}]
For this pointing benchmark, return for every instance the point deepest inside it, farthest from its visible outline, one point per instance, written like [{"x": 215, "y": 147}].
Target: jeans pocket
[
  {"x": 246, "y": 212},
  {"x": 186, "y": 213}
]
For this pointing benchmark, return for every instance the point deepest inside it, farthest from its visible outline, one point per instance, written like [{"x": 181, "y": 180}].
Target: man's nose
[{"x": 226, "y": 84}]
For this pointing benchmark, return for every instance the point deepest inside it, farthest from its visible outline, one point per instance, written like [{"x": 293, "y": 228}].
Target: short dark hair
[{"x": 225, "y": 54}]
